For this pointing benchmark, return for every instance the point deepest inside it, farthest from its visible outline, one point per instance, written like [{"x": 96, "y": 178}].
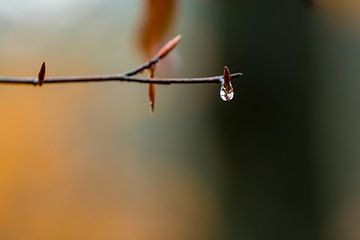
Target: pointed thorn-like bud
[
  {"x": 168, "y": 47},
  {"x": 41, "y": 75},
  {"x": 227, "y": 75},
  {"x": 226, "y": 89}
]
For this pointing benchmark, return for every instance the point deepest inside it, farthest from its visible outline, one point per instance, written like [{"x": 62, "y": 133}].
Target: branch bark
[
  {"x": 114, "y": 78},
  {"x": 124, "y": 77}
]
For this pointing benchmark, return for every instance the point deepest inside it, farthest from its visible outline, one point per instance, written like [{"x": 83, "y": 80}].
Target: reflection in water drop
[{"x": 226, "y": 92}]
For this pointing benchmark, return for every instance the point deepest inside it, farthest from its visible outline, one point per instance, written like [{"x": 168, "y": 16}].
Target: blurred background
[{"x": 88, "y": 161}]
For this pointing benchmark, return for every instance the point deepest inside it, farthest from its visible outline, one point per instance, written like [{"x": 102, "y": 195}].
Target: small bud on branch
[
  {"x": 41, "y": 75},
  {"x": 168, "y": 47},
  {"x": 151, "y": 89},
  {"x": 226, "y": 90}
]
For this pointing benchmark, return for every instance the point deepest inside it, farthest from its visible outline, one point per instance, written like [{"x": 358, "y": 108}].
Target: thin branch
[
  {"x": 124, "y": 77},
  {"x": 114, "y": 78}
]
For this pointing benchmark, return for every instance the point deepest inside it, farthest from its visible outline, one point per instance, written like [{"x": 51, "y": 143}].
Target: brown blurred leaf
[
  {"x": 343, "y": 11},
  {"x": 158, "y": 17}
]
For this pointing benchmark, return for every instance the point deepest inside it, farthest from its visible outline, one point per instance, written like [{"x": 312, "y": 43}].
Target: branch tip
[{"x": 168, "y": 47}]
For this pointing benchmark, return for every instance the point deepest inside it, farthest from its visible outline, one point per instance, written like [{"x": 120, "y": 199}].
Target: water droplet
[{"x": 226, "y": 92}]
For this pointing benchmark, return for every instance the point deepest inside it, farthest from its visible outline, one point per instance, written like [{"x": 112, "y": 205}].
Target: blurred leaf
[{"x": 158, "y": 17}]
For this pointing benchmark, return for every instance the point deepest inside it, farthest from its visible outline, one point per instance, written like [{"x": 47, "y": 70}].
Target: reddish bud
[
  {"x": 151, "y": 89},
  {"x": 168, "y": 47},
  {"x": 41, "y": 75},
  {"x": 227, "y": 75}
]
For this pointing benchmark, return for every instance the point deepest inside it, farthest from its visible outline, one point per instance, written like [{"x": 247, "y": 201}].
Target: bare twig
[
  {"x": 114, "y": 78},
  {"x": 124, "y": 77}
]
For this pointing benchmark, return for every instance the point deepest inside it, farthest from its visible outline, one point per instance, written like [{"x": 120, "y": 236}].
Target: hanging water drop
[{"x": 226, "y": 92}]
